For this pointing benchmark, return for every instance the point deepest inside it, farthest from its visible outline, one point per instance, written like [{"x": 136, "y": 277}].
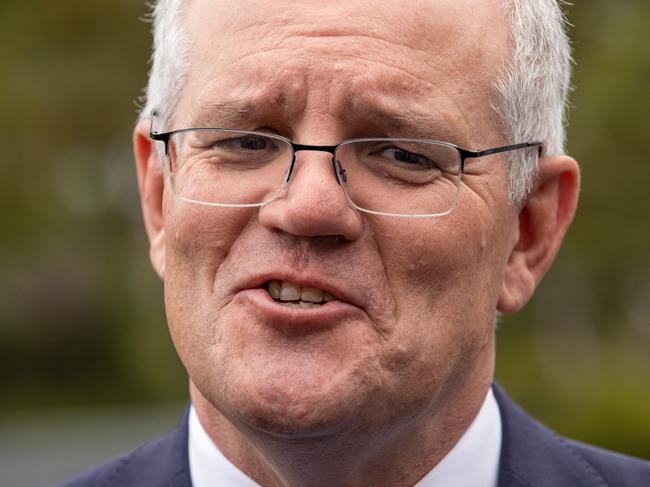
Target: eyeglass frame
[{"x": 464, "y": 154}]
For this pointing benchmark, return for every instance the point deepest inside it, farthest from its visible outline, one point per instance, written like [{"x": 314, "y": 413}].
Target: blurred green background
[{"x": 81, "y": 315}]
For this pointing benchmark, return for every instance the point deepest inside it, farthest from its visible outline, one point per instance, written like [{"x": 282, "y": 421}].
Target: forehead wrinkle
[
  {"x": 355, "y": 42},
  {"x": 338, "y": 20}
]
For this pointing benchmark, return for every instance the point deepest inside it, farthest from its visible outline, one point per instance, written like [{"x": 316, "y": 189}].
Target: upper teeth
[{"x": 287, "y": 291}]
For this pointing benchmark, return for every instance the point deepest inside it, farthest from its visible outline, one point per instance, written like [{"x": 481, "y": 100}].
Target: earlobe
[
  {"x": 157, "y": 253},
  {"x": 543, "y": 221},
  {"x": 151, "y": 187}
]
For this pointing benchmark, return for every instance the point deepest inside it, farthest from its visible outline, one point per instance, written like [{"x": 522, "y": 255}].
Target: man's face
[{"x": 413, "y": 322}]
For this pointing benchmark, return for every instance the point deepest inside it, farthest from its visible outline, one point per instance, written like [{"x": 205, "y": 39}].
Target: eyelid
[{"x": 267, "y": 130}]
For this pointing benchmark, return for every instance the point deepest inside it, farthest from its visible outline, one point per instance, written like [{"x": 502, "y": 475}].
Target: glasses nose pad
[
  {"x": 292, "y": 164},
  {"x": 339, "y": 172}
]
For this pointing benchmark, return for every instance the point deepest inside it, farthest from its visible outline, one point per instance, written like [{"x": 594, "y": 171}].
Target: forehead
[{"x": 344, "y": 57}]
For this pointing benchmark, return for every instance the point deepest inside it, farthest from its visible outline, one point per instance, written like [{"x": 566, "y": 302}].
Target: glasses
[{"x": 383, "y": 176}]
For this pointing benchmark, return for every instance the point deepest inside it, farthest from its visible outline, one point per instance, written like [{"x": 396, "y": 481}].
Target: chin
[
  {"x": 293, "y": 411},
  {"x": 297, "y": 395},
  {"x": 288, "y": 385}
]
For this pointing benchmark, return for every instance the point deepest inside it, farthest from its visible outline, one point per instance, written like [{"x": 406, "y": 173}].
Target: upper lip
[{"x": 303, "y": 279}]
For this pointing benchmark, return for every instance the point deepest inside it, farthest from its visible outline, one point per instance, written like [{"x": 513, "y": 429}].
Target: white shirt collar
[
  {"x": 208, "y": 466},
  {"x": 472, "y": 462}
]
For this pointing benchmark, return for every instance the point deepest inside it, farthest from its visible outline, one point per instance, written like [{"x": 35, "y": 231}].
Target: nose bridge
[
  {"x": 312, "y": 205},
  {"x": 316, "y": 148},
  {"x": 330, "y": 149}
]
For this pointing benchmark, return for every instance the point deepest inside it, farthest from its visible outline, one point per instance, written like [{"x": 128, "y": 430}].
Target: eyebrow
[
  {"x": 239, "y": 112},
  {"x": 225, "y": 113},
  {"x": 432, "y": 125}
]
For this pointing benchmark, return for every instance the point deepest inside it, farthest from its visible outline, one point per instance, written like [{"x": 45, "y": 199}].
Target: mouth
[
  {"x": 292, "y": 295},
  {"x": 299, "y": 303}
]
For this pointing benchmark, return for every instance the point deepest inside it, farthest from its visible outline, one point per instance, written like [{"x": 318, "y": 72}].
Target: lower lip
[{"x": 293, "y": 317}]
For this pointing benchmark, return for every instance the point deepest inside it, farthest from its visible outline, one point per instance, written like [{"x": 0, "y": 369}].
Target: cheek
[
  {"x": 198, "y": 240},
  {"x": 444, "y": 276},
  {"x": 428, "y": 262}
]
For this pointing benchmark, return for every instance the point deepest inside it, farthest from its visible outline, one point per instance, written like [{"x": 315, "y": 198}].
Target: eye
[
  {"x": 407, "y": 157},
  {"x": 253, "y": 142},
  {"x": 242, "y": 144}
]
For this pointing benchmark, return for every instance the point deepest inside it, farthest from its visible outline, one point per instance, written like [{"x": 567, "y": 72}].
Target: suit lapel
[
  {"x": 161, "y": 463},
  {"x": 175, "y": 464},
  {"x": 534, "y": 456}
]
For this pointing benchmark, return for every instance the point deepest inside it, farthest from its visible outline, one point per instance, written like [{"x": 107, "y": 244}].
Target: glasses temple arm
[
  {"x": 469, "y": 154},
  {"x": 506, "y": 148}
]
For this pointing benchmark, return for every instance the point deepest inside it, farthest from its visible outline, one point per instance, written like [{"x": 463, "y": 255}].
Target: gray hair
[
  {"x": 169, "y": 61},
  {"x": 529, "y": 95}
]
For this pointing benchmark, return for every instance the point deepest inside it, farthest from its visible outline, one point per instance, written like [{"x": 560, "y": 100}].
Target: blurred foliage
[
  {"x": 578, "y": 356},
  {"x": 82, "y": 319}
]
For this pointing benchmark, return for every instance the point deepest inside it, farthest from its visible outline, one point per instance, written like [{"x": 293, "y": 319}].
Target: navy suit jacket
[{"x": 531, "y": 456}]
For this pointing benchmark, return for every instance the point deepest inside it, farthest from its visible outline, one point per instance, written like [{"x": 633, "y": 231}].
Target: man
[{"x": 340, "y": 197}]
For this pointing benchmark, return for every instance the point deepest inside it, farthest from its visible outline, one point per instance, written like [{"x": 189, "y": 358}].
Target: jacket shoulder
[
  {"x": 532, "y": 455},
  {"x": 615, "y": 468}
]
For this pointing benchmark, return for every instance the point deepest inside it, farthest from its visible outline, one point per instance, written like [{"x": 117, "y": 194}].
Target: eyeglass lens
[{"x": 392, "y": 176}]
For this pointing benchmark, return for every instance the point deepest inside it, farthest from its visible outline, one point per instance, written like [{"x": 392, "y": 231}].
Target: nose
[{"x": 313, "y": 204}]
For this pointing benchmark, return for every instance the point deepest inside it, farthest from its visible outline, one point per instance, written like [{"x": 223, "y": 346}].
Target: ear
[
  {"x": 151, "y": 185},
  {"x": 543, "y": 221}
]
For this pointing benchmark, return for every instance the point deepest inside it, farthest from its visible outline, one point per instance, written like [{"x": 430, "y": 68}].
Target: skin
[{"x": 379, "y": 392}]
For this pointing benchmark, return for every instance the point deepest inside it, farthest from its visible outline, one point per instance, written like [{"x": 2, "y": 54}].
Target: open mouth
[{"x": 290, "y": 294}]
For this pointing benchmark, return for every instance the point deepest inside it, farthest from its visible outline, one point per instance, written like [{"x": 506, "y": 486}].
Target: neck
[{"x": 397, "y": 455}]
